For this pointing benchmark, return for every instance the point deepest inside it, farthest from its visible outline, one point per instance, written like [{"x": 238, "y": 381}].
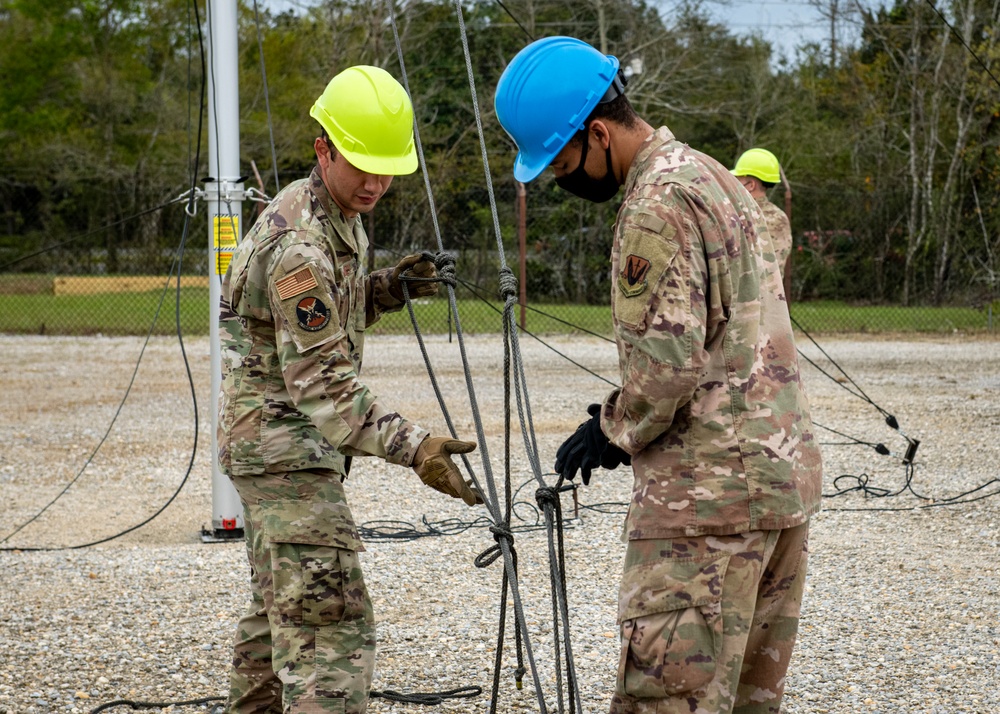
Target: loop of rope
[{"x": 508, "y": 284}]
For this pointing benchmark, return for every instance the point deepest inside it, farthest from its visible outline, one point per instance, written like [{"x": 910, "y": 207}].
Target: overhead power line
[{"x": 964, "y": 43}]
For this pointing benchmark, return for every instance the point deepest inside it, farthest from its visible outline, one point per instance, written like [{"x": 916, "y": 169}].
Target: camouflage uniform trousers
[
  {"x": 306, "y": 644},
  {"x": 708, "y": 623}
]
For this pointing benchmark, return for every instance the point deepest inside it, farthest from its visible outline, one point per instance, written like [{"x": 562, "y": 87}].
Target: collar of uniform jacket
[
  {"x": 638, "y": 168},
  {"x": 343, "y": 226}
]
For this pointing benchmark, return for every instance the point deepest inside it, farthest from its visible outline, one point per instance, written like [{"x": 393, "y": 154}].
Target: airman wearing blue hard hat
[{"x": 710, "y": 416}]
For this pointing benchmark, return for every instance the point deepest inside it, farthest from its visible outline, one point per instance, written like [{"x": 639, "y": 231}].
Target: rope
[
  {"x": 267, "y": 98},
  {"x": 508, "y": 287},
  {"x": 860, "y": 394},
  {"x": 504, "y": 538},
  {"x": 964, "y": 43}
]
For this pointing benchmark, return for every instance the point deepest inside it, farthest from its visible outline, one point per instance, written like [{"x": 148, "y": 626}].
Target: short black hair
[
  {"x": 766, "y": 185},
  {"x": 325, "y": 137},
  {"x": 619, "y": 110}
]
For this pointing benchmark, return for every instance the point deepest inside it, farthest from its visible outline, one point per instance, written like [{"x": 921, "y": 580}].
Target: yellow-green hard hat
[
  {"x": 759, "y": 163},
  {"x": 369, "y": 118}
]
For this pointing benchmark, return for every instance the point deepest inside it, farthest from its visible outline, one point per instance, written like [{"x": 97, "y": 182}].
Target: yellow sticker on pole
[{"x": 224, "y": 232}]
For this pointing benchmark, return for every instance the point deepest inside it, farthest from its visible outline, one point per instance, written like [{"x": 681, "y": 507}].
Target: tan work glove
[
  {"x": 435, "y": 468},
  {"x": 419, "y": 265}
]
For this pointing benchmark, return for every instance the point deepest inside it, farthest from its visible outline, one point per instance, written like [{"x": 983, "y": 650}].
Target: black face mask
[{"x": 580, "y": 183}]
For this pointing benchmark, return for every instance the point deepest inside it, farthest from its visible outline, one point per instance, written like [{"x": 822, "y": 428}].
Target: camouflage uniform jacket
[
  {"x": 711, "y": 407},
  {"x": 294, "y": 308},
  {"x": 780, "y": 230}
]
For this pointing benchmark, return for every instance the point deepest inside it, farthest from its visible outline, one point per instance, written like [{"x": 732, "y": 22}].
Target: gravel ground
[{"x": 901, "y": 608}]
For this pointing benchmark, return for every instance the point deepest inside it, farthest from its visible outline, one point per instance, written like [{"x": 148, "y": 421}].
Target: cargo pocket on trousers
[
  {"x": 671, "y": 627},
  {"x": 316, "y": 580},
  {"x": 318, "y": 706}
]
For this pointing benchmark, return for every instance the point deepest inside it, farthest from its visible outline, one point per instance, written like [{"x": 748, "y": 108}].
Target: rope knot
[
  {"x": 508, "y": 284},
  {"x": 500, "y": 531},
  {"x": 547, "y": 495},
  {"x": 445, "y": 265}
]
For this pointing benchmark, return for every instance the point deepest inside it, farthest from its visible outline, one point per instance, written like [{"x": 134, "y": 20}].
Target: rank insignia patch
[
  {"x": 312, "y": 314},
  {"x": 632, "y": 278}
]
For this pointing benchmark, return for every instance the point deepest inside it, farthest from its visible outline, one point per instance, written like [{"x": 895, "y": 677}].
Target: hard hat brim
[
  {"x": 381, "y": 165},
  {"x": 525, "y": 171}
]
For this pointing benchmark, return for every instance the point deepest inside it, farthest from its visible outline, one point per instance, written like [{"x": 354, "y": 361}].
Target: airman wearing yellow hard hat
[
  {"x": 758, "y": 170},
  {"x": 295, "y": 304}
]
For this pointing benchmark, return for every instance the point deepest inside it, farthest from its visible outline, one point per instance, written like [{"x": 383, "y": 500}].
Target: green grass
[
  {"x": 104, "y": 313},
  {"x": 830, "y": 316},
  {"x": 132, "y": 314},
  {"x": 480, "y": 317}
]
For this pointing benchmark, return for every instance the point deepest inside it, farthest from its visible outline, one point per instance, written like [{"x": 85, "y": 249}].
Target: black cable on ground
[
  {"x": 177, "y": 264},
  {"x": 136, "y": 706},
  {"x": 427, "y": 698},
  {"x": 173, "y": 273}
]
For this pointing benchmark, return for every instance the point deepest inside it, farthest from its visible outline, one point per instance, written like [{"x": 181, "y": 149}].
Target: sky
[{"x": 786, "y": 25}]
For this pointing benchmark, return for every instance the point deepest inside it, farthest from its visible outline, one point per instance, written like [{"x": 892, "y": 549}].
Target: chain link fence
[{"x": 121, "y": 280}]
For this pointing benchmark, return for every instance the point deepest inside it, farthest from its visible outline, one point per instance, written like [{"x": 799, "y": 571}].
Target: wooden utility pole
[{"x": 522, "y": 245}]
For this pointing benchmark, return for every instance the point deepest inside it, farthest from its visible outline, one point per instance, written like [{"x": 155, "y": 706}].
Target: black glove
[{"x": 587, "y": 449}]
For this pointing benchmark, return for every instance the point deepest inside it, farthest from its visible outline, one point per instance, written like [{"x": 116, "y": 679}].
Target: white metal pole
[{"x": 225, "y": 199}]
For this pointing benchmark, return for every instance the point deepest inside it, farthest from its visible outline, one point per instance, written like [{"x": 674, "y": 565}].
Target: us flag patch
[{"x": 295, "y": 284}]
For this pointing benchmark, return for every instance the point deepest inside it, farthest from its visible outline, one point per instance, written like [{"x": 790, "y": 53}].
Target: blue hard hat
[{"x": 545, "y": 95}]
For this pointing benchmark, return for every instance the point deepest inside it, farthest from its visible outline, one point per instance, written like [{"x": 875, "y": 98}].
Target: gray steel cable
[
  {"x": 508, "y": 291},
  {"x": 267, "y": 99},
  {"x": 501, "y": 530}
]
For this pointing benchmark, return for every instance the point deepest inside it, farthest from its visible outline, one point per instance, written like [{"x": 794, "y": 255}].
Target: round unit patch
[{"x": 312, "y": 314}]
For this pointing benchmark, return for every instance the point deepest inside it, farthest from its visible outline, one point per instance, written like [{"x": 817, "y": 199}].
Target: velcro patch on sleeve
[
  {"x": 308, "y": 307},
  {"x": 644, "y": 256},
  {"x": 295, "y": 284}
]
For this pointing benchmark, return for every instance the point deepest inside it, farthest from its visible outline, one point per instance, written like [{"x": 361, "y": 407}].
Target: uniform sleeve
[
  {"x": 660, "y": 318},
  {"x": 313, "y": 351}
]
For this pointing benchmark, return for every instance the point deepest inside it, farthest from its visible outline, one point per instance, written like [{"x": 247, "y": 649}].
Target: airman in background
[{"x": 758, "y": 170}]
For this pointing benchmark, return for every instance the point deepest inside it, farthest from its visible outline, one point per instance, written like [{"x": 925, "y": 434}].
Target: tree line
[{"x": 888, "y": 135}]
